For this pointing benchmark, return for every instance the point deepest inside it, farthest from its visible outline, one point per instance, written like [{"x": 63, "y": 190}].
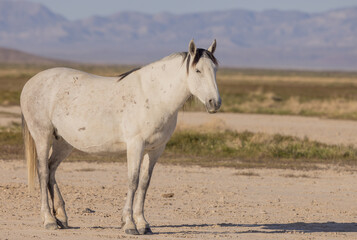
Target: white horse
[{"x": 135, "y": 112}]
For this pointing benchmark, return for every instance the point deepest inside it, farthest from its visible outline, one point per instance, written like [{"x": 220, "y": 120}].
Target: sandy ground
[
  {"x": 217, "y": 203},
  {"x": 206, "y": 203}
]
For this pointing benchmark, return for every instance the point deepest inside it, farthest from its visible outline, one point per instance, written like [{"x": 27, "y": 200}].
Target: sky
[{"x": 78, "y": 9}]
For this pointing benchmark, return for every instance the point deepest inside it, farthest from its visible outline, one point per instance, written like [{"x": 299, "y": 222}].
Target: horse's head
[{"x": 201, "y": 69}]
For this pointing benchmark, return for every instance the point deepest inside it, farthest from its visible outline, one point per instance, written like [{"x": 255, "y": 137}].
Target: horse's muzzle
[{"x": 213, "y": 105}]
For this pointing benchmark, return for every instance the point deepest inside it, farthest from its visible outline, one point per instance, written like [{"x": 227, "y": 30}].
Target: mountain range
[
  {"x": 18, "y": 57},
  {"x": 267, "y": 39}
]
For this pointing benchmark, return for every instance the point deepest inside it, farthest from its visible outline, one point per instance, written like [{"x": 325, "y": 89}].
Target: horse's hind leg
[
  {"x": 42, "y": 138},
  {"x": 60, "y": 150}
]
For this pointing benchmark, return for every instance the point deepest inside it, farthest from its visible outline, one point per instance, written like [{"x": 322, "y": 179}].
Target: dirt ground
[
  {"x": 205, "y": 204},
  {"x": 194, "y": 202}
]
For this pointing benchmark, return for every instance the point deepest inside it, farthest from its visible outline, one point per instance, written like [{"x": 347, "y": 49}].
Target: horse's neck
[{"x": 165, "y": 82}]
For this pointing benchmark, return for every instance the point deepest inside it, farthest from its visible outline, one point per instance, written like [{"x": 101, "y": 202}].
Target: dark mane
[
  {"x": 204, "y": 53},
  {"x": 188, "y": 57},
  {"x": 200, "y": 53},
  {"x": 123, "y": 75}
]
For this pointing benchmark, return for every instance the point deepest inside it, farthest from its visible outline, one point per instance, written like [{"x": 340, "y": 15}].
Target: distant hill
[
  {"x": 16, "y": 56},
  {"x": 269, "y": 39}
]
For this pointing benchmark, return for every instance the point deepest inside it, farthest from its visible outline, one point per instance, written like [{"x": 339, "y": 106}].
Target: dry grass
[
  {"x": 268, "y": 103},
  {"x": 291, "y": 175},
  {"x": 11, "y": 145},
  {"x": 252, "y": 150}
]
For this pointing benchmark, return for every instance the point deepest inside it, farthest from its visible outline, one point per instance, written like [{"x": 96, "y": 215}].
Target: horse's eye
[{"x": 198, "y": 71}]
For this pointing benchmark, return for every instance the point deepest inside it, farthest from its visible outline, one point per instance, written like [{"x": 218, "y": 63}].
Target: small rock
[
  {"x": 168, "y": 195},
  {"x": 88, "y": 210}
]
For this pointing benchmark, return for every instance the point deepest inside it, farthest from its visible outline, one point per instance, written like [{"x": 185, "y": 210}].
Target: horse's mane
[
  {"x": 123, "y": 75},
  {"x": 200, "y": 53}
]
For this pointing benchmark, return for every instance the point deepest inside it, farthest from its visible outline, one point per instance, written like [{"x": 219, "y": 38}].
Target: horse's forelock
[{"x": 200, "y": 53}]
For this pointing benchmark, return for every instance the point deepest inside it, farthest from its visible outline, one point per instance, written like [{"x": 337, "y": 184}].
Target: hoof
[
  {"x": 131, "y": 231},
  {"x": 51, "y": 226},
  {"x": 146, "y": 231},
  {"x": 62, "y": 224}
]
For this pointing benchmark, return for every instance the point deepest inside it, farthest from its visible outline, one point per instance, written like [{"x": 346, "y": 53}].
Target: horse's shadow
[{"x": 260, "y": 228}]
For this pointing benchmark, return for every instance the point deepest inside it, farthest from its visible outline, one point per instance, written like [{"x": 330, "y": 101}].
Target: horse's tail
[{"x": 30, "y": 155}]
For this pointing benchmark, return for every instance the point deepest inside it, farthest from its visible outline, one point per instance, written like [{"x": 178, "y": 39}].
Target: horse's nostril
[
  {"x": 212, "y": 105},
  {"x": 211, "y": 102}
]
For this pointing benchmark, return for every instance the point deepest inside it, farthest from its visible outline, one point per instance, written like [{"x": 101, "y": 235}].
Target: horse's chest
[{"x": 159, "y": 133}]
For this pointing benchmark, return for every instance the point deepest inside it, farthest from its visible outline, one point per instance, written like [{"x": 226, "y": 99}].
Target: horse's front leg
[
  {"x": 146, "y": 169},
  {"x": 134, "y": 156}
]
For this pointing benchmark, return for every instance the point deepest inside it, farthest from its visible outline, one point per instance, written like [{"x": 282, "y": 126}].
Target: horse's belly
[
  {"x": 85, "y": 144},
  {"x": 91, "y": 136},
  {"x": 114, "y": 147}
]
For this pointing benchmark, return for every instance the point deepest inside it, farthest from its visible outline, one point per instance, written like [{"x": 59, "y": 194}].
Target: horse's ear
[
  {"x": 212, "y": 48},
  {"x": 192, "y": 48}
]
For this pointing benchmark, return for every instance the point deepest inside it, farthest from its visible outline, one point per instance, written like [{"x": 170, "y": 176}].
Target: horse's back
[
  {"x": 44, "y": 86},
  {"x": 55, "y": 77},
  {"x": 41, "y": 85},
  {"x": 41, "y": 93}
]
